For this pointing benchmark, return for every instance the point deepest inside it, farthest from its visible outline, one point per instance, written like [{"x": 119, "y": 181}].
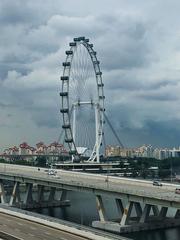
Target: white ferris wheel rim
[{"x": 67, "y": 105}]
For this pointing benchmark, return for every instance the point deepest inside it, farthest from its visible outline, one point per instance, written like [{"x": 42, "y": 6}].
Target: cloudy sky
[{"x": 138, "y": 44}]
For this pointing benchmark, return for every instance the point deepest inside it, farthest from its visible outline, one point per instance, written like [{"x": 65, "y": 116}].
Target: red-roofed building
[
  {"x": 41, "y": 148},
  {"x": 24, "y": 148},
  {"x": 56, "y": 148}
]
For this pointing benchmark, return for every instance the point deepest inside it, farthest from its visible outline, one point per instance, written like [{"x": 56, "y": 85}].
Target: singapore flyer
[{"x": 82, "y": 100}]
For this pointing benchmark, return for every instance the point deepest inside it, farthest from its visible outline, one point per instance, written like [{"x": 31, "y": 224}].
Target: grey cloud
[
  {"x": 12, "y": 12},
  {"x": 23, "y": 12},
  {"x": 6, "y": 67},
  {"x": 138, "y": 63},
  {"x": 132, "y": 80},
  {"x": 159, "y": 134},
  {"x": 125, "y": 46},
  {"x": 6, "y": 105},
  {"x": 46, "y": 118},
  {"x": 163, "y": 83},
  {"x": 158, "y": 97}
]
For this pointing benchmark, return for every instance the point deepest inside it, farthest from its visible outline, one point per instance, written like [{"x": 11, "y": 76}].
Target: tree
[{"x": 41, "y": 161}]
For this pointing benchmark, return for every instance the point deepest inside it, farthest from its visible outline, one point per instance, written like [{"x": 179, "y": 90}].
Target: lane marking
[
  {"x": 21, "y": 224},
  {"x": 30, "y": 234},
  {"x": 8, "y": 220},
  {"x": 17, "y": 229},
  {"x": 33, "y": 228}
]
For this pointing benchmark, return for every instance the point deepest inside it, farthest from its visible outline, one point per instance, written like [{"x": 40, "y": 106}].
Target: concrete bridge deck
[
  {"x": 150, "y": 202},
  {"x": 135, "y": 190}
]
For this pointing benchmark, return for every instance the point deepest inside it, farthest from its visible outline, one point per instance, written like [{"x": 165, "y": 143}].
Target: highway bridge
[
  {"x": 22, "y": 225},
  {"x": 140, "y": 205}
]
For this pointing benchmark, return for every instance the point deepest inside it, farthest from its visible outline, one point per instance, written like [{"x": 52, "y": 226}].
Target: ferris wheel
[{"x": 82, "y": 100}]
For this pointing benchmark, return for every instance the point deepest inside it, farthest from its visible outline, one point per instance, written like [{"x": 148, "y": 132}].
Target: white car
[
  {"x": 157, "y": 183},
  {"x": 52, "y": 172}
]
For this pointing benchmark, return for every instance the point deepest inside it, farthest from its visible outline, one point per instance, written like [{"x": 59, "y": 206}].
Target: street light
[{"x": 171, "y": 169}]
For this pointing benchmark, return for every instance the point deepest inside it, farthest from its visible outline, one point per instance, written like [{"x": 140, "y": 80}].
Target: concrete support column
[
  {"x": 163, "y": 212},
  {"x": 120, "y": 207},
  {"x": 126, "y": 214},
  {"x": 15, "y": 194},
  {"x": 2, "y": 193},
  {"x": 145, "y": 213},
  {"x": 52, "y": 194},
  {"x": 63, "y": 195},
  {"x": 155, "y": 210},
  {"x": 100, "y": 208},
  {"x": 138, "y": 209},
  {"x": 28, "y": 195},
  {"x": 177, "y": 214},
  {"x": 40, "y": 196}
]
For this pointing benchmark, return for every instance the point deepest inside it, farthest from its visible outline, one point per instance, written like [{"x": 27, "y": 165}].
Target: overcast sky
[{"x": 138, "y": 45}]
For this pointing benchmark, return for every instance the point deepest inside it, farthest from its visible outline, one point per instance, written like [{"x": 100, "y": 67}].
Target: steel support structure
[
  {"x": 33, "y": 197},
  {"x": 134, "y": 216}
]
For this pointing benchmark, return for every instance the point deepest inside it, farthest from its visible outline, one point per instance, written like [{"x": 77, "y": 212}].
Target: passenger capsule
[
  {"x": 101, "y": 97},
  {"x": 72, "y": 44},
  {"x": 76, "y": 39},
  {"x": 64, "y": 110},
  {"x": 66, "y": 126},
  {"x": 66, "y": 64},
  {"x": 96, "y": 62},
  {"x": 64, "y": 78},
  {"x": 98, "y": 73},
  {"x": 81, "y": 38},
  {"x": 69, "y": 52},
  {"x": 63, "y": 94},
  {"x": 68, "y": 140}
]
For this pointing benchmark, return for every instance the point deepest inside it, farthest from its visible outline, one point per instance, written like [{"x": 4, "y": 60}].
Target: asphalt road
[{"x": 27, "y": 230}]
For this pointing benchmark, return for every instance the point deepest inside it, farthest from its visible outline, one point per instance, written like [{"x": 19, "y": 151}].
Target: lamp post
[{"x": 171, "y": 169}]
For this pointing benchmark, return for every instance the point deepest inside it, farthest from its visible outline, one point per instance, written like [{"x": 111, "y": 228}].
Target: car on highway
[
  {"x": 52, "y": 172},
  {"x": 157, "y": 183},
  {"x": 177, "y": 190}
]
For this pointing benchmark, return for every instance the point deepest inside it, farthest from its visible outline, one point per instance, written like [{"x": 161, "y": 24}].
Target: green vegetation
[
  {"x": 22, "y": 162},
  {"x": 2, "y": 160},
  {"x": 143, "y": 167},
  {"x": 41, "y": 161}
]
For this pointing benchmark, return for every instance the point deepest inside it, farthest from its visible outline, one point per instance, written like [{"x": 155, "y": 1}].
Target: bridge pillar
[
  {"x": 40, "y": 196},
  {"x": 100, "y": 208},
  {"x": 2, "y": 193},
  {"x": 63, "y": 195},
  {"x": 145, "y": 213},
  {"x": 52, "y": 194},
  {"x": 28, "y": 195},
  {"x": 127, "y": 213},
  {"x": 163, "y": 212},
  {"x": 119, "y": 205},
  {"x": 155, "y": 210},
  {"x": 15, "y": 194},
  {"x": 138, "y": 209},
  {"x": 177, "y": 214}
]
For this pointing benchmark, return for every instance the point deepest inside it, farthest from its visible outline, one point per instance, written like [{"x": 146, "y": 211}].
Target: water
[{"x": 83, "y": 211}]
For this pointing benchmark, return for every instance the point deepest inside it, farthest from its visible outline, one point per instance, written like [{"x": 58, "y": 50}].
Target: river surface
[{"x": 83, "y": 211}]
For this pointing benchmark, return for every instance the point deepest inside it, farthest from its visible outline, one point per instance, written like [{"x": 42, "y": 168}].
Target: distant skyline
[{"x": 138, "y": 45}]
